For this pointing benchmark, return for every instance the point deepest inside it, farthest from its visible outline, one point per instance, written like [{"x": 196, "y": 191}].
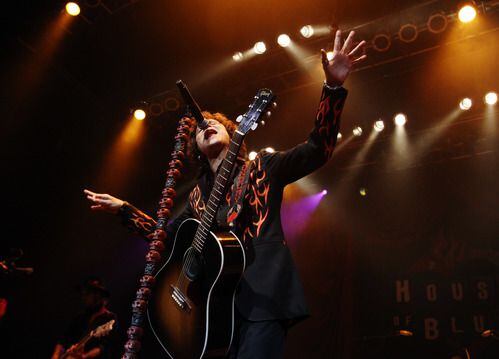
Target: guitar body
[{"x": 192, "y": 316}]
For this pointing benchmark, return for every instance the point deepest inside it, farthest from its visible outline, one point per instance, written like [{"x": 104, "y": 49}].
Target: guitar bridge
[{"x": 180, "y": 299}]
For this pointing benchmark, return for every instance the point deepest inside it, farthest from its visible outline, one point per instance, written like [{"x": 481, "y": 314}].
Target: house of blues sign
[{"x": 435, "y": 308}]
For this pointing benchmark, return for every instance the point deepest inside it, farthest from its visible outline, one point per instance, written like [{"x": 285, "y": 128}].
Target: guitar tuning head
[
  {"x": 274, "y": 104},
  {"x": 239, "y": 118},
  {"x": 254, "y": 126},
  {"x": 262, "y": 123},
  {"x": 268, "y": 113}
]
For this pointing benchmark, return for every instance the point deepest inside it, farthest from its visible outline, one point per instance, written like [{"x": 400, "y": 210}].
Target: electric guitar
[
  {"x": 75, "y": 350},
  {"x": 192, "y": 312}
]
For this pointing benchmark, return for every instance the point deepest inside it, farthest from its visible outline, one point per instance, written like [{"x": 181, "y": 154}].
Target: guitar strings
[{"x": 191, "y": 257}]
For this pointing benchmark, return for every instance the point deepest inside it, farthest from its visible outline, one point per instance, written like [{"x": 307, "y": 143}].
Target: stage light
[
  {"x": 284, "y": 40},
  {"x": 467, "y": 14},
  {"x": 437, "y": 23},
  {"x": 404, "y": 333},
  {"x": 252, "y": 155},
  {"x": 270, "y": 150},
  {"x": 307, "y": 31},
  {"x": 324, "y": 192},
  {"x": 72, "y": 8},
  {"x": 400, "y": 119},
  {"x": 339, "y": 136},
  {"x": 329, "y": 55},
  {"x": 357, "y": 131},
  {"x": 363, "y": 191},
  {"x": 408, "y": 33},
  {"x": 139, "y": 114},
  {"x": 465, "y": 104},
  {"x": 238, "y": 56},
  {"x": 490, "y": 98},
  {"x": 379, "y": 126},
  {"x": 260, "y": 47},
  {"x": 381, "y": 42}
]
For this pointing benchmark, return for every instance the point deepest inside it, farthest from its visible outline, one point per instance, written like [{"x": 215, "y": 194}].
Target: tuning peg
[
  {"x": 268, "y": 113},
  {"x": 274, "y": 104},
  {"x": 239, "y": 118},
  {"x": 254, "y": 126},
  {"x": 262, "y": 123}
]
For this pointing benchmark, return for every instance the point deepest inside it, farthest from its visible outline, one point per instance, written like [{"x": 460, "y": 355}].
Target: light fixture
[
  {"x": 139, "y": 114},
  {"x": 379, "y": 126},
  {"x": 357, "y": 131},
  {"x": 381, "y": 42},
  {"x": 465, "y": 104},
  {"x": 260, "y": 47},
  {"x": 252, "y": 155},
  {"x": 270, "y": 150},
  {"x": 72, "y": 8},
  {"x": 324, "y": 192},
  {"x": 490, "y": 98},
  {"x": 437, "y": 23},
  {"x": 307, "y": 31},
  {"x": 400, "y": 119},
  {"x": 467, "y": 13},
  {"x": 284, "y": 40},
  {"x": 408, "y": 33},
  {"x": 238, "y": 56}
]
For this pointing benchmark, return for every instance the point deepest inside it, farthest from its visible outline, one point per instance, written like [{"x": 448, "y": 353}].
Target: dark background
[{"x": 66, "y": 98}]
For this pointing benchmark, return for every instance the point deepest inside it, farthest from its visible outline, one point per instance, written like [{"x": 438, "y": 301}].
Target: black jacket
[{"x": 270, "y": 288}]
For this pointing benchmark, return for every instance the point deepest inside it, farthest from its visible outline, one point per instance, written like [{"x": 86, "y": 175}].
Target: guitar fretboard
[{"x": 218, "y": 192}]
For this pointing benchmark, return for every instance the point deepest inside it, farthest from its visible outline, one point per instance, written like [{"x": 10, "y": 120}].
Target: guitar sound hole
[{"x": 192, "y": 264}]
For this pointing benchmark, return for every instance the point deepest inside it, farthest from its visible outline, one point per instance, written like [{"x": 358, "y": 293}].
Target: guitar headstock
[
  {"x": 263, "y": 99},
  {"x": 103, "y": 330}
]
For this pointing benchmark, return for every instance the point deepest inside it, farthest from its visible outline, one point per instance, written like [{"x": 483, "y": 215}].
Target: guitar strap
[
  {"x": 227, "y": 214},
  {"x": 237, "y": 195}
]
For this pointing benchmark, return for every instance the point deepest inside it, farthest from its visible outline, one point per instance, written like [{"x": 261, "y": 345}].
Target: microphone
[{"x": 192, "y": 106}]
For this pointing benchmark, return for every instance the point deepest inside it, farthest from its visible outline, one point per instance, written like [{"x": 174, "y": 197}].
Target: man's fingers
[
  {"x": 337, "y": 41},
  {"x": 97, "y": 207},
  {"x": 359, "y": 46},
  {"x": 348, "y": 43},
  {"x": 97, "y": 200},
  {"x": 363, "y": 57},
  {"x": 92, "y": 196}
]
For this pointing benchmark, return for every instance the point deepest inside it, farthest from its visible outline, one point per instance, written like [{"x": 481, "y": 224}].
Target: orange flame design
[
  {"x": 258, "y": 200},
  {"x": 196, "y": 201}
]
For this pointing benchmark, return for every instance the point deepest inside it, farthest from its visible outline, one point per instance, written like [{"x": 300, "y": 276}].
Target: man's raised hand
[{"x": 343, "y": 59}]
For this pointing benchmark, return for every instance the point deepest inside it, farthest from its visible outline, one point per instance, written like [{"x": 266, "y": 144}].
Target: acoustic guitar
[{"x": 192, "y": 312}]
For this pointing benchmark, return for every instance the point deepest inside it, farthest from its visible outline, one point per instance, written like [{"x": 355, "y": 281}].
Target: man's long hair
[{"x": 197, "y": 156}]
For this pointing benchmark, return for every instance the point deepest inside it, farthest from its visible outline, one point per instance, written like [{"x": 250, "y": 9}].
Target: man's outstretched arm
[
  {"x": 133, "y": 218},
  {"x": 306, "y": 157}
]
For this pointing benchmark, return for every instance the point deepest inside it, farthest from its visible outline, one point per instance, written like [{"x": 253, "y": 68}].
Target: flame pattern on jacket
[
  {"x": 196, "y": 202},
  {"x": 257, "y": 198}
]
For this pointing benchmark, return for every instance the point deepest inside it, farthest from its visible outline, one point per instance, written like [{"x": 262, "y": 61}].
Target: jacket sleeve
[
  {"x": 144, "y": 225},
  {"x": 307, "y": 157},
  {"x": 136, "y": 221}
]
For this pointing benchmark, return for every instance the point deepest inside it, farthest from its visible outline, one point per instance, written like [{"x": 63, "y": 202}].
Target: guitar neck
[
  {"x": 218, "y": 191},
  {"x": 79, "y": 346}
]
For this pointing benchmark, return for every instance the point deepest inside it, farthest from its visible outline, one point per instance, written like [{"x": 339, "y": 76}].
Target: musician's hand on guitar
[
  {"x": 103, "y": 202},
  {"x": 342, "y": 60}
]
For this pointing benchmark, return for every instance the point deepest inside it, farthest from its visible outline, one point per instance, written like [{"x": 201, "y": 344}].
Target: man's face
[
  {"x": 91, "y": 300},
  {"x": 212, "y": 139}
]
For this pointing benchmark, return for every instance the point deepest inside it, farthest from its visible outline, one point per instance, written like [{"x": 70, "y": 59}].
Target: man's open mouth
[{"x": 208, "y": 132}]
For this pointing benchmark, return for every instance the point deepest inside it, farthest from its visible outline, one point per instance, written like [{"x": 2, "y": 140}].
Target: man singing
[{"x": 270, "y": 296}]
